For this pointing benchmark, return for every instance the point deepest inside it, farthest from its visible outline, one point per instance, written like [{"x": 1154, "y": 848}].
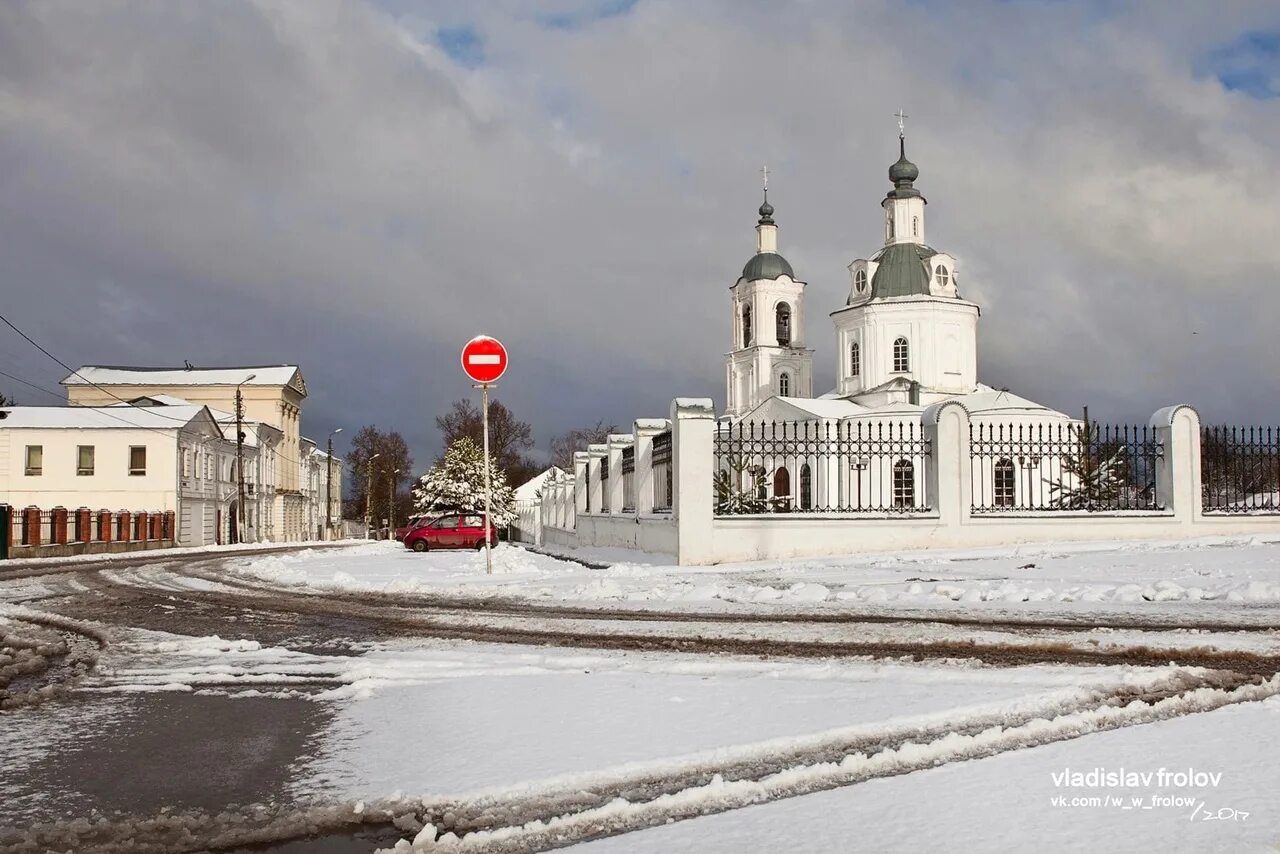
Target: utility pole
[
  {"x": 328, "y": 489},
  {"x": 488, "y": 551},
  {"x": 239, "y": 537},
  {"x": 368, "y": 493},
  {"x": 391, "y": 505}
]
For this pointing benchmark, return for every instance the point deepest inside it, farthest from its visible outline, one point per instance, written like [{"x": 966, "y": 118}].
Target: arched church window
[
  {"x": 784, "y": 324},
  {"x": 904, "y": 484},
  {"x": 806, "y": 487},
  {"x": 889, "y": 226},
  {"x": 915, "y": 226},
  {"x": 941, "y": 275},
  {"x": 855, "y": 359},
  {"x": 746, "y": 326},
  {"x": 1004, "y": 483},
  {"x": 781, "y": 483},
  {"x": 784, "y": 384},
  {"x": 901, "y": 356},
  {"x": 860, "y": 280}
]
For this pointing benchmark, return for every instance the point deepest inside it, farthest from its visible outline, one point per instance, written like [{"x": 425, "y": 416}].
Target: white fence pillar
[
  {"x": 949, "y": 475},
  {"x": 644, "y": 429},
  {"x": 693, "y": 426},
  {"x": 580, "y": 482},
  {"x": 1178, "y": 487},
  {"x": 594, "y": 482},
  {"x": 570, "y": 503},
  {"x": 615, "y": 443}
]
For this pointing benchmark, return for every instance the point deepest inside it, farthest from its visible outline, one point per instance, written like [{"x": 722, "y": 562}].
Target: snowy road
[{"x": 341, "y": 699}]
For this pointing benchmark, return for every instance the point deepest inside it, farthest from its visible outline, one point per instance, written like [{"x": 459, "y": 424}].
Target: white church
[
  {"x": 909, "y": 450},
  {"x": 905, "y": 337}
]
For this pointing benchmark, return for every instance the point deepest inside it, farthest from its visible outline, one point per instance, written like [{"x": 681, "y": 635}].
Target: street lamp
[
  {"x": 328, "y": 487},
  {"x": 240, "y": 459},
  {"x": 391, "y": 504},
  {"x": 368, "y": 493}
]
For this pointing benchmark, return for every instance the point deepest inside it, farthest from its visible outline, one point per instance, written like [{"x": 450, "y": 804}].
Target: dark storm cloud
[{"x": 360, "y": 188}]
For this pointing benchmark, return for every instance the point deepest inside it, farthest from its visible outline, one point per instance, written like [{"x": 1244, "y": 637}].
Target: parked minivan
[{"x": 451, "y": 531}]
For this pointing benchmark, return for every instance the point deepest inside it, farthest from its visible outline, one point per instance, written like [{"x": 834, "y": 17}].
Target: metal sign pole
[{"x": 488, "y": 552}]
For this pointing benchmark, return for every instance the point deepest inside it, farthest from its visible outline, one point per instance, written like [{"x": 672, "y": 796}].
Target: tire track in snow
[
  {"x": 569, "y": 814},
  {"x": 393, "y": 617}
]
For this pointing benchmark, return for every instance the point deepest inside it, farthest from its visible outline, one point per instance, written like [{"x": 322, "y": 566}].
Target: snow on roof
[
  {"x": 100, "y": 417},
  {"x": 803, "y": 408},
  {"x": 988, "y": 399},
  {"x": 528, "y": 490},
  {"x": 121, "y": 375},
  {"x": 156, "y": 400}
]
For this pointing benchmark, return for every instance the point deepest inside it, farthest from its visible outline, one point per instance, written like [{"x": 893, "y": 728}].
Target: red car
[
  {"x": 414, "y": 521},
  {"x": 453, "y": 531}
]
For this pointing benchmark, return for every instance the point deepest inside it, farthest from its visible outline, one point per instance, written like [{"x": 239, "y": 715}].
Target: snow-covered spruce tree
[
  {"x": 731, "y": 499},
  {"x": 1091, "y": 479},
  {"x": 456, "y": 484}
]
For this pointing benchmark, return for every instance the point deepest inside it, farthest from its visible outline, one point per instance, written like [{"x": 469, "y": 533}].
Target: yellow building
[{"x": 270, "y": 394}]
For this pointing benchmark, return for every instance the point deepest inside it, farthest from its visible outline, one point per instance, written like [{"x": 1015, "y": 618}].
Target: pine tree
[
  {"x": 456, "y": 485},
  {"x": 1090, "y": 480},
  {"x": 733, "y": 500}
]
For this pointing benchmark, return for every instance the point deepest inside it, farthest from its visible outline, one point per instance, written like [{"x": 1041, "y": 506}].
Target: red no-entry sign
[{"x": 484, "y": 359}]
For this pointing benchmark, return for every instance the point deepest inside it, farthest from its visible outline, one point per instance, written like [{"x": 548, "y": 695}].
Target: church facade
[
  {"x": 906, "y": 338},
  {"x": 905, "y": 334}
]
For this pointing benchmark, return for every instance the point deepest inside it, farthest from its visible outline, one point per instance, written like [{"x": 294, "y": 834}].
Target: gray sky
[{"x": 361, "y": 187}]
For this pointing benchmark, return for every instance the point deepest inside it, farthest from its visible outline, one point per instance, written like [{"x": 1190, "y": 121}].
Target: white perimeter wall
[{"x": 697, "y": 536}]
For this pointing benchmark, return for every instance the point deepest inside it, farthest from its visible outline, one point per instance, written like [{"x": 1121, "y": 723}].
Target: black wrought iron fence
[
  {"x": 629, "y": 478},
  {"x": 662, "y": 479},
  {"x": 1064, "y": 466},
  {"x": 1240, "y": 469},
  {"x": 821, "y": 467}
]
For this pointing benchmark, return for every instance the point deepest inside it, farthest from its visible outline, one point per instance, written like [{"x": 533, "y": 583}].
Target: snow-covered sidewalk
[{"x": 1212, "y": 574}]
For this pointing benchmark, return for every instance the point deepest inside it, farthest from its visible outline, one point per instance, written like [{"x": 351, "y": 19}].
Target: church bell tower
[{"x": 768, "y": 357}]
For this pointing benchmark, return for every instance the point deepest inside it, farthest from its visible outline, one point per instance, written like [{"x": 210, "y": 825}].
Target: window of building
[
  {"x": 784, "y": 324},
  {"x": 781, "y": 483},
  {"x": 904, "y": 484},
  {"x": 941, "y": 275},
  {"x": 915, "y": 226},
  {"x": 138, "y": 460},
  {"x": 186, "y": 463},
  {"x": 1004, "y": 484},
  {"x": 784, "y": 384},
  {"x": 889, "y": 226},
  {"x": 35, "y": 460},
  {"x": 855, "y": 359},
  {"x": 84, "y": 460},
  {"x": 860, "y": 280},
  {"x": 901, "y": 356},
  {"x": 806, "y": 487},
  {"x": 746, "y": 326}
]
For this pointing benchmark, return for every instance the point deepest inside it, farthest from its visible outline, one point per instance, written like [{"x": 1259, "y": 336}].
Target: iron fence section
[
  {"x": 1064, "y": 466},
  {"x": 821, "y": 467},
  {"x": 662, "y": 447},
  {"x": 1240, "y": 469},
  {"x": 662, "y": 472}
]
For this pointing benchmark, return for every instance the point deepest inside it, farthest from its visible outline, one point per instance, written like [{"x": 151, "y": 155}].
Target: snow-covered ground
[
  {"x": 456, "y": 722},
  {"x": 1006, "y": 803},
  {"x": 1212, "y": 574}
]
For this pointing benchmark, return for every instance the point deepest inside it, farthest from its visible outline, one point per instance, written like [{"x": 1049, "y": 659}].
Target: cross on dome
[{"x": 902, "y": 123}]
